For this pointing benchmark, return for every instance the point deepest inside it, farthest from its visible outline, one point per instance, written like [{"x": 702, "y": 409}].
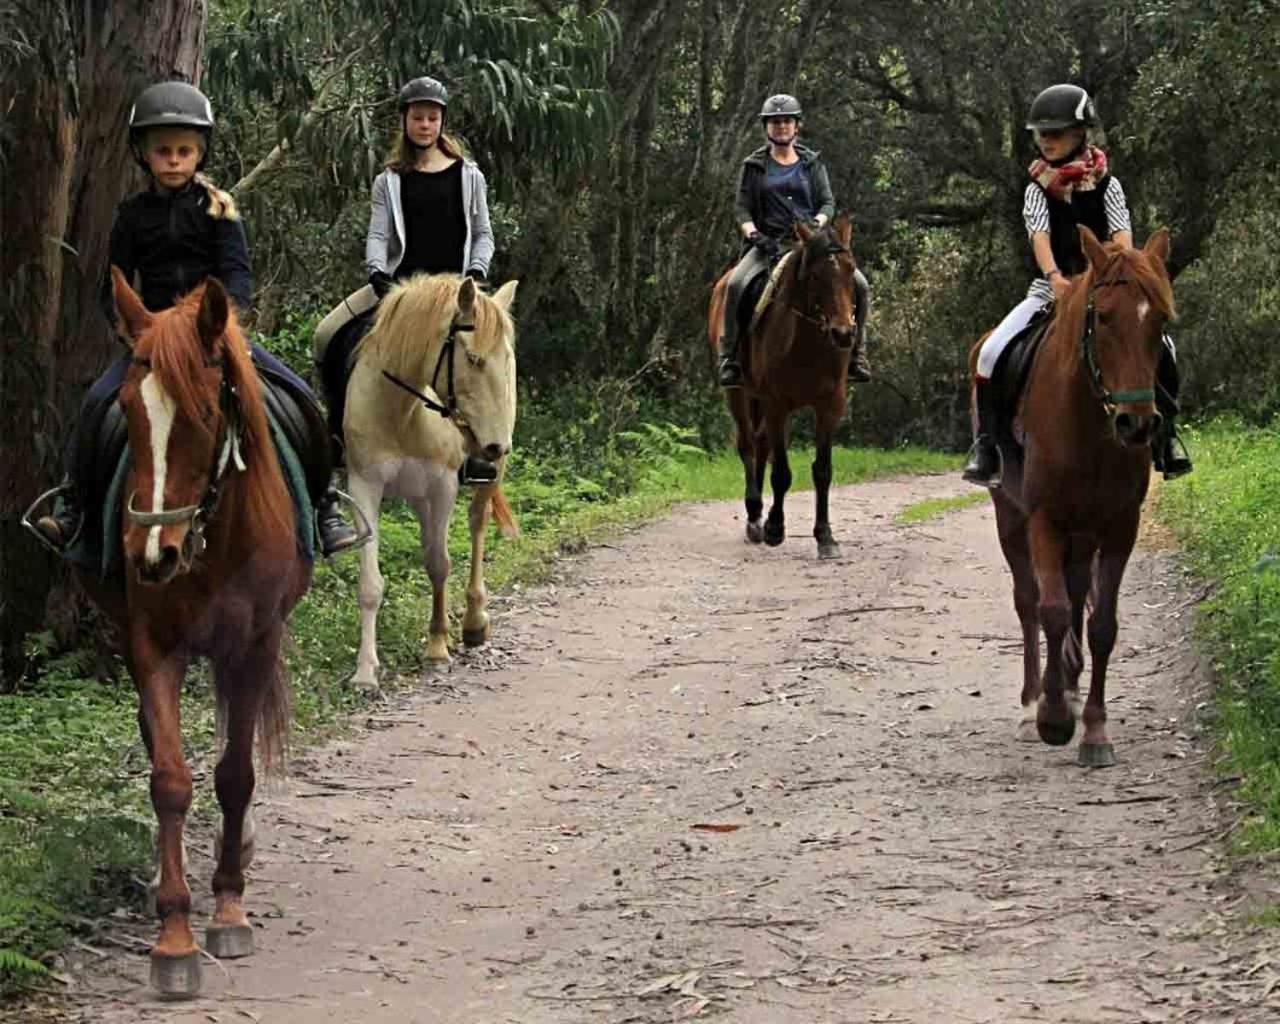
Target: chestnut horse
[
  {"x": 1069, "y": 506},
  {"x": 795, "y": 356},
  {"x": 211, "y": 569}
]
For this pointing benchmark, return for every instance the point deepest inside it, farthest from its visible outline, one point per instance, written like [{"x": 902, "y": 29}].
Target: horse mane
[
  {"x": 397, "y": 340},
  {"x": 178, "y": 358}
]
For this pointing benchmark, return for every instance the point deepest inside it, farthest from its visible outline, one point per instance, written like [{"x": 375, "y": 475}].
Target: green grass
[
  {"x": 1227, "y": 515},
  {"x": 75, "y": 818},
  {"x": 932, "y": 508}
]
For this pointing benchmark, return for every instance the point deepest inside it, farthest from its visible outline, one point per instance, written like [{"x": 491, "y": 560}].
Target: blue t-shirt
[{"x": 788, "y": 197}]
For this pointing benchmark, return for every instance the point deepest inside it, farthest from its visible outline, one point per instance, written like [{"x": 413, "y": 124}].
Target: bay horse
[
  {"x": 212, "y": 569},
  {"x": 794, "y": 356},
  {"x": 434, "y": 381},
  {"x": 1069, "y": 507}
]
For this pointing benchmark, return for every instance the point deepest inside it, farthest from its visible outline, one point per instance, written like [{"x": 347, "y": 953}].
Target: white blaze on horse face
[
  {"x": 1144, "y": 307},
  {"x": 159, "y": 407}
]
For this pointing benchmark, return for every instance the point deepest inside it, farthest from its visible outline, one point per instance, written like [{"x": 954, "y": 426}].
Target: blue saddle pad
[{"x": 98, "y": 548}]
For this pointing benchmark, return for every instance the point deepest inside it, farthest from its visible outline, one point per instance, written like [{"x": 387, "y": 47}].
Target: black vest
[{"x": 1085, "y": 208}]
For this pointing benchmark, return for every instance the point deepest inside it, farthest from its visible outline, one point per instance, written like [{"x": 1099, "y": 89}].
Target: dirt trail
[{"x": 518, "y": 842}]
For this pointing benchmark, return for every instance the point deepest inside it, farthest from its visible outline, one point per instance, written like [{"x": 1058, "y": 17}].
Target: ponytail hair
[{"x": 221, "y": 204}]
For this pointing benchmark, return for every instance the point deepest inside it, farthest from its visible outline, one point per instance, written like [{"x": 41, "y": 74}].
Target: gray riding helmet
[
  {"x": 170, "y": 105},
  {"x": 781, "y": 105},
  {"x": 1062, "y": 106},
  {"x": 423, "y": 90}
]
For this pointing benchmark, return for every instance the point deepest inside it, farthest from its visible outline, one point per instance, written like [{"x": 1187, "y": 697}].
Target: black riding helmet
[
  {"x": 423, "y": 90},
  {"x": 170, "y": 105},
  {"x": 781, "y": 105},
  {"x": 1062, "y": 106}
]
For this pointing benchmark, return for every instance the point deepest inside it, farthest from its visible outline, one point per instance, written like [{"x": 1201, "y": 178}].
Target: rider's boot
[
  {"x": 730, "y": 374},
  {"x": 1168, "y": 453},
  {"x": 335, "y": 534},
  {"x": 984, "y": 465},
  {"x": 61, "y": 526},
  {"x": 859, "y": 366}
]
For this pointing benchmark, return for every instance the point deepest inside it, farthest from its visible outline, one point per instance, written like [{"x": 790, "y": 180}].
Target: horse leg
[
  {"x": 1011, "y": 527},
  {"x": 1079, "y": 579},
  {"x": 242, "y": 687},
  {"x": 368, "y": 495},
  {"x": 1095, "y": 748},
  {"x": 775, "y": 529},
  {"x": 475, "y": 623},
  {"x": 175, "y": 958},
  {"x": 433, "y": 519},
  {"x": 1054, "y": 720},
  {"x": 827, "y": 546},
  {"x": 759, "y": 463},
  {"x": 753, "y": 477}
]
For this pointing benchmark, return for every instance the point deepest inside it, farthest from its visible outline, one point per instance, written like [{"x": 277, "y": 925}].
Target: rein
[
  {"x": 228, "y": 453},
  {"x": 1089, "y": 356},
  {"x": 449, "y": 410}
]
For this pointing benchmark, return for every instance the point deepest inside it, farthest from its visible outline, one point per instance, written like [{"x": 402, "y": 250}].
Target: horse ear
[
  {"x": 467, "y": 297},
  {"x": 506, "y": 295},
  {"x": 1157, "y": 246},
  {"x": 1093, "y": 248},
  {"x": 132, "y": 317},
  {"x": 843, "y": 228},
  {"x": 211, "y": 321}
]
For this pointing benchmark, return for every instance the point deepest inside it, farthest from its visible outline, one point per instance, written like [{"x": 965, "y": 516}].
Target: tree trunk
[{"x": 68, "y": 126}]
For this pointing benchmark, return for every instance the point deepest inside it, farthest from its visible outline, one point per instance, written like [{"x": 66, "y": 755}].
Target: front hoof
[
  {"x": 229, "y": 942},
  {"x": 176, "y": 977},
  {"x": 828, "y": 550},
  {"x": 774, "y": 533},
  {"x": 1028, "y": 731},
  {"x": 755, "y": 532},
  {"x": 1096, "y": 755},
  {"x": 1055, "y": 732},
  {"x": 366, "y": 679},
  {"x": 476, "y": 637}
]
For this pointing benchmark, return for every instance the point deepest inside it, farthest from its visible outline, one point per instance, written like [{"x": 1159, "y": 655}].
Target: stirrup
[
  {"x": 364, "y": 532},
  {"x": 50, "y": 496}
]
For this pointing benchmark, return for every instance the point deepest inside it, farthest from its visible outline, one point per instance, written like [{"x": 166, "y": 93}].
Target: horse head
[
  {"x": 192, "y": 405},
  {"x": 486, "y": 383},
  {"x": 823, "y": 283},
  {"x": 1128, "y": 300}
]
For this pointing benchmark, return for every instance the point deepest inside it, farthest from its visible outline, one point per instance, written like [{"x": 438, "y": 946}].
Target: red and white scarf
[{"x": 1083, "y": 173}]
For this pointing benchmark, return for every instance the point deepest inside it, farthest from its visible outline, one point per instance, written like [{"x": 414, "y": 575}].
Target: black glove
[
  {"x": 479, "y": 276},
  {"x": 768, "y": 246},
  {"x": 380, "y": 283}
]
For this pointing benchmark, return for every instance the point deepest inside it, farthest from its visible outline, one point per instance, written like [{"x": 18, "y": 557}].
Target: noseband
[{"x": 1089, "y": 356}]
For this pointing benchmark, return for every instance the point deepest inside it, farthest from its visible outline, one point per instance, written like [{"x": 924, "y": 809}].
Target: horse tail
[{"x": 502, "y": 514}]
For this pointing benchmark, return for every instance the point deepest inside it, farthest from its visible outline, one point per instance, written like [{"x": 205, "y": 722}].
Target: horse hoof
[
  {"x": 1056, "y": 734},
  {"x": 229, "y": 942},
  {"x": 1096, "y": 755},
  {"x": 176, "y": 977},
  {"x": 828, "y": 550},
  {"x": 755, "y": 532},
  {"x": 774, "y": 535},
  {"x": 1027, "y": 731},
  {"x": 476, "y": 637}
]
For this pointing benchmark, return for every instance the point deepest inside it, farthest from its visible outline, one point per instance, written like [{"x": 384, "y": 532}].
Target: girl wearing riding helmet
[
  {"x": 429, "y": 215},
  {"x": 1070, "y": 185},
  {"x": 180, "y": 231},
  {"x": 781, "y": 183}
]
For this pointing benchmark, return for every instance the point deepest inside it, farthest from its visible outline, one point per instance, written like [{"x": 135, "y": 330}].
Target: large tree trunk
[{"x": 66, "y": 167}]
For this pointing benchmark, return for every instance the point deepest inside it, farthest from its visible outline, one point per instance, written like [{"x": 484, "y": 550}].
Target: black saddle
[
  {"x": 336, "y": 366},
  {"x": 1014, "y": 369}
]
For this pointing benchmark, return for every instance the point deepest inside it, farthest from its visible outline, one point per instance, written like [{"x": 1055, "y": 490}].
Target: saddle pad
[{"x": 775, "y": 276}]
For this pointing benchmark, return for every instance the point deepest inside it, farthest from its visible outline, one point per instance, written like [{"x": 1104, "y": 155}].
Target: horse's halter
[
  {"x": 227, "y": 452},
  {"x": 818, "y": 316},
  {"x": 1089, "y": 356},
  {"x": 445, "y": 361}
]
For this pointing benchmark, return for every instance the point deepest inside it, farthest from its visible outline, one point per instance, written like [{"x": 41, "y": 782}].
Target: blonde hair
[
  {"x": 221, "y": 204},
  {"x": 404, "y": 157}
]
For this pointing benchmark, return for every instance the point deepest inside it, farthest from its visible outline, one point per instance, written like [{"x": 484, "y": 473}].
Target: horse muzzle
[
  {"x": 1135, "y": 429},
  {"x": 843, "y": 337}
]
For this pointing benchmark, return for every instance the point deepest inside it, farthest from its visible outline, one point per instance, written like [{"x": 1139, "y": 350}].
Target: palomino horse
[
  {"x": 795, "y": 356},
  {"x": 1069, "y": 507},
  {"x": 454, "y": 348},
  {"x": 212, "y": 569}
]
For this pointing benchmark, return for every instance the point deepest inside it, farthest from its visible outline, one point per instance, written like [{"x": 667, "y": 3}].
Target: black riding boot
[
  {"x": 60, "y": 528},
  {"x": 730, "y": 368},
  {"x": 475, "y": 470},
  {"x": 984, "y": 463},
  {"x": 1166, "y": 445},
  {"x": 335, "y": 534},
  {"x": 859, "y": 366}
]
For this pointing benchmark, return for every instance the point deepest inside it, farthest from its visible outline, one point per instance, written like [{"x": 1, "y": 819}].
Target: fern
[{"x": 16, "y": 967}]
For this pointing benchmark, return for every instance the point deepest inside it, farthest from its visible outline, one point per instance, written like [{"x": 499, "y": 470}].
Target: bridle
[
  {"x": 445, "y": 361},
  {"x": 227, "y": 453},
  {"x": 818, "y": 317},
  {"x": 1089, "y": 356}
]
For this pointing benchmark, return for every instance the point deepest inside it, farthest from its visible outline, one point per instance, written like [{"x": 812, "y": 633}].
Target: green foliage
[
  {"x": 1227, "y": 514},
  {"x": 932, "y": 508}
]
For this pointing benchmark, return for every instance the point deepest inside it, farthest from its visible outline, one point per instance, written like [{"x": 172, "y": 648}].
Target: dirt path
[{"x": 519, "y": 842}]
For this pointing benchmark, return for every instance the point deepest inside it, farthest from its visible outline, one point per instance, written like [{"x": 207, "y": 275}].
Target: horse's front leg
[
  {"x": 775, "y": 527},
  {"x": 244, "y": 685},
  {"x": 475, "y": 623},
  {"x": 367, "y": 494},
  {"x": 433, "y": 518},
  {"x": 827, "y": 546},
  {"x": 744, "y": 434},
  {"x": 175, "y": 958},
  {"x": 1054, "y": 720},
  {"x": 1011, "y": 527},
  {"x": 1079, "y": 580},
  {"x": 1095, "y": 748}
]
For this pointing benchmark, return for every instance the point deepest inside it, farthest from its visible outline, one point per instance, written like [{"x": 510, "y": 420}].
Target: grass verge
[
  {"x": 1227, "y": 517},
  {"x": 75, "y": 820},
  {"x": 932, "y": 508}
]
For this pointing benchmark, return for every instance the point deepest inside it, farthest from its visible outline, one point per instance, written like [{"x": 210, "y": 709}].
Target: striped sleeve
[
  {"x": 1117, "y": 207},
  {"x": 1035, "y": 210}
]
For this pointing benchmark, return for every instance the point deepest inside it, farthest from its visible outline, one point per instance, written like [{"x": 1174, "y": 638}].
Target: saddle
[{"x": 1014, "y": 370}]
